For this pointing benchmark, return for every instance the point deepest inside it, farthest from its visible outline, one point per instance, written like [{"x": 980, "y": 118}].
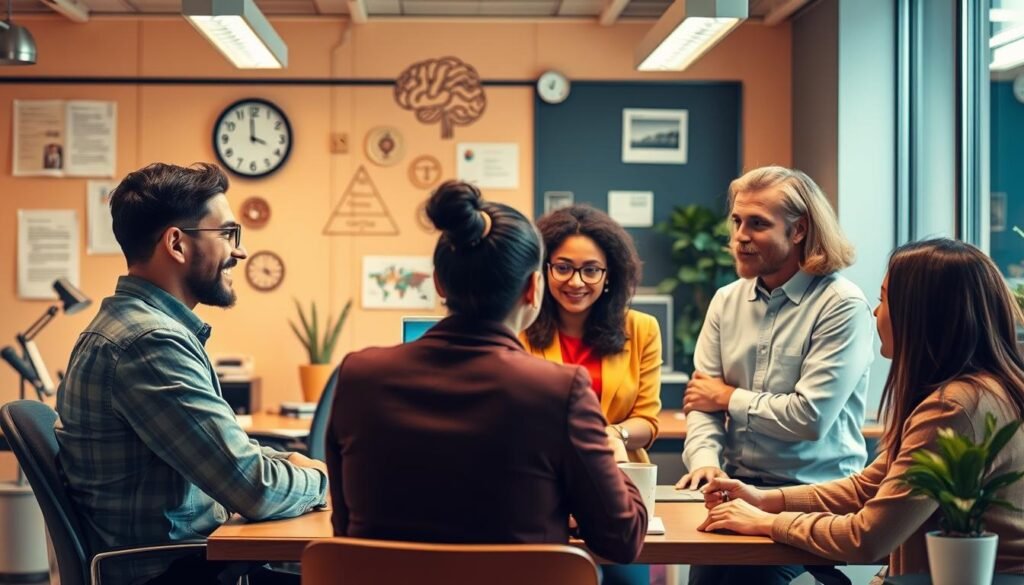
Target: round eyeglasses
[{"x": 563, "y": 272}]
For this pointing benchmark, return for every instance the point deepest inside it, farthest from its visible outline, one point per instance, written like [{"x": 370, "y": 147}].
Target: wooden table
[
  {"x": 671, "y": 422},
  {"x": 672, "y": 425},
  {"x": 682, "y": 543}
]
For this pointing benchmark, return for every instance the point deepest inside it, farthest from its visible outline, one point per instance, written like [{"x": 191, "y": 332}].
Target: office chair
[
  {"x": 355, "y": 561},
  {"x": 313, "y": 446},
  {"x": 28, "y": 427}
]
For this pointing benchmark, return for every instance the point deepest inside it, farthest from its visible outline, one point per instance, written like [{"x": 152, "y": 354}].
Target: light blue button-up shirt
[{"x": 799, "y": 358}]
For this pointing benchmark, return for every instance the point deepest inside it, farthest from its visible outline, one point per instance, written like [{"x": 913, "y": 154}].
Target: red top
[{"x": 577, "y": 353}]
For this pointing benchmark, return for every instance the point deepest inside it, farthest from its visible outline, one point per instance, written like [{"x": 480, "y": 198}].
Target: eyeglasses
[
  {"x": 563, "y": 272},
  {"x": 232, "y": 233}
]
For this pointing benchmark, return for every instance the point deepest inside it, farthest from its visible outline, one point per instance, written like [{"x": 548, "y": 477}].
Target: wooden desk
[
  {"x": 672, "y": 425},
  {"x": 265, "y": 423},
  {"x": 682, "y": 543}
]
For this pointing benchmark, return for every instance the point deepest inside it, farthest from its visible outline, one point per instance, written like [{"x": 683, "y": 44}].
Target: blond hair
[{"x": 825, "y": 249}]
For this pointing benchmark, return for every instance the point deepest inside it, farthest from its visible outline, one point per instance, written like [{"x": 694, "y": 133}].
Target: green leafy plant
[
  {"x": 319, "y": 350},
  {"x": 955, "y": 477},
  {"x": 700, "y": 252}
]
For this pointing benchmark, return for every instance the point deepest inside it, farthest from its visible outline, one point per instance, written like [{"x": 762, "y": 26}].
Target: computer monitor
[
  {"x": 660, "y": 307},
  {"x": 414, "y": 327}
]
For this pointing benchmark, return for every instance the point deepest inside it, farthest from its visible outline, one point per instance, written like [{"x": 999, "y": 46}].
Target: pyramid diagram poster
[{"x": 361, "y": 211}]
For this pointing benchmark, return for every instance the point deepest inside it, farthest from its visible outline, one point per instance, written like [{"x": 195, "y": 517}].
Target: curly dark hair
[{"x": 605, "y": 328}]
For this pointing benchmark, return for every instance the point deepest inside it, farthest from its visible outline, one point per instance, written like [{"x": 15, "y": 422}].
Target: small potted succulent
[
  {"x": 315, "y": 374},
  {"x": 958, "y": 479}
]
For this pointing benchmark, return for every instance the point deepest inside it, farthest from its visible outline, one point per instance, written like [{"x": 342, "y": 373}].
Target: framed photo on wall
[{"x": 654, "y": 136}]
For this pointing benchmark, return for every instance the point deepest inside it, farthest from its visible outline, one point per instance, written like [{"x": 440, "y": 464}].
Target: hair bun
[{"x": 454, "y": 208}]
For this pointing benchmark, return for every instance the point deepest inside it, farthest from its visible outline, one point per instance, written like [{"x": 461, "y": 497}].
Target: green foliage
[
  {"x": 701, "y": 254},
  {"x": 1018, "y": 295},
  {"x": 955, "y": 477},
  {"x": 319, "y": 350}
]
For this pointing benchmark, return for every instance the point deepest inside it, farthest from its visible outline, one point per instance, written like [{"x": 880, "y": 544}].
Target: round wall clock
[
  {"x": 252, "y": 138},
  {"x": 255, "y": 212},
  {"x": 553, "y": 87},
  {"x": 264, "y": 270},
  {"x": 1018, "y": 87}
]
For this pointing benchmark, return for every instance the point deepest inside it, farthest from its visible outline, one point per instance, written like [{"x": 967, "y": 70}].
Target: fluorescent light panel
[
  {"x": 239, "y": 31},
  {"x": 687, "y": 30}
]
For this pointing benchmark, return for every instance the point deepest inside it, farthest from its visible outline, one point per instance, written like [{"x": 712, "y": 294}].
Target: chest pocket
[{"x": 784, "y": 370}]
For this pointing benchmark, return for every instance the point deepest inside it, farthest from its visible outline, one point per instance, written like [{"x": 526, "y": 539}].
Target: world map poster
[{"x": 398, "y": 282}]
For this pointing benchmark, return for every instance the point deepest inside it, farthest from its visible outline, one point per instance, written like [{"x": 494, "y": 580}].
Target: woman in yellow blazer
[{"x": 592, "y": 270}]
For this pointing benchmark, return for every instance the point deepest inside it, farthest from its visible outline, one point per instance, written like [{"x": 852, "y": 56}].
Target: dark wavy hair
[
  {"x": 953, "y": 319},
  {"x": 605, "y": 328},
  {"x": 151, "y": 199},
  {"x": 483, "y": 275}
]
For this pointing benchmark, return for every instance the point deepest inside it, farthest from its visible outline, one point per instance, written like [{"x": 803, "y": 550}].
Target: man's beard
[{"x": 210, "y": 290}]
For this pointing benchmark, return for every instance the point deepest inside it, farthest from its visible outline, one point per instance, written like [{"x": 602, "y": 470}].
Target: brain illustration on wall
[{"x": 444, "y": 90}]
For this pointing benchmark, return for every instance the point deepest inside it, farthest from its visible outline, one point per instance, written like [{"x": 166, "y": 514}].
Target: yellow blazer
[{"x": 630, "y": 379}]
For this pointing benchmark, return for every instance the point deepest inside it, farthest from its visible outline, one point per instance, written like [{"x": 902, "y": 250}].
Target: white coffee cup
[{"x": 645, "y": 478}]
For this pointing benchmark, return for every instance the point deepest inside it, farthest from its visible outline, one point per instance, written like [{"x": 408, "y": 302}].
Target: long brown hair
[
  {"x": 953, "y": 319},
  {"x": 825, "y": 249}
]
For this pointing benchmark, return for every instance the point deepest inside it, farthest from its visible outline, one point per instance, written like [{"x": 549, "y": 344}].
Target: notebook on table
[{"x": 669, "y": 493}]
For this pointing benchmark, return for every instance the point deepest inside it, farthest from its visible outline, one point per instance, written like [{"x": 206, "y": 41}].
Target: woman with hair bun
[{"x": 461, "y": 435}]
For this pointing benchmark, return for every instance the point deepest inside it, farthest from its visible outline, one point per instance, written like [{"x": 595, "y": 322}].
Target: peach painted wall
[{"x": 172, "y": 123}]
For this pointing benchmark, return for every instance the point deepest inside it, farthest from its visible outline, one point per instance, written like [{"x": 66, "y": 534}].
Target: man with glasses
[{"x": 151, "y": 451}]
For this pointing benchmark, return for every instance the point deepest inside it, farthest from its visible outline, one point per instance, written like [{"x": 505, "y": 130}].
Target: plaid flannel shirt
[{"x": 151, "y": 451}]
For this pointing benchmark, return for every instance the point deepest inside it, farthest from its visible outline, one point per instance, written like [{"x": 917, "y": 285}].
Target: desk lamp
[{"x": 73, "y": 301}]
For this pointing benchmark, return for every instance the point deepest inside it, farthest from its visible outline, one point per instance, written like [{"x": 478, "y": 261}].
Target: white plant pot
[{"x": 956, "y": 560}]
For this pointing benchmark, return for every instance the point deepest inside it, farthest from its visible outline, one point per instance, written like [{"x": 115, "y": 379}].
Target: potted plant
[
  {"x": 315, "y": 374},
  {"x": 957, "y": 478},
  {"x": 700, "y": 251}
]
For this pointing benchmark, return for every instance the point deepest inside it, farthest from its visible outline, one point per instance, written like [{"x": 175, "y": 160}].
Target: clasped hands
[
  {"x": 735, "y": 506},
  {"x": 706, "y": 394}
]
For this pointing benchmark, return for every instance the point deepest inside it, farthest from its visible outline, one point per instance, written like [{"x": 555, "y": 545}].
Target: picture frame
[{"x": 654, "y": 136}]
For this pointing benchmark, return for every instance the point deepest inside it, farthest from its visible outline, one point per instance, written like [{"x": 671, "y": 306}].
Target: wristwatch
[{"x": 623, "y": 434}]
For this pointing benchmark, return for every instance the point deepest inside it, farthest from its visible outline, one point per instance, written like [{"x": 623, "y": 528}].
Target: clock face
[
  {"x": 252, "y": 138},
  {"x": 264, "y": 270},
  {"x": 553, "y": 87}
]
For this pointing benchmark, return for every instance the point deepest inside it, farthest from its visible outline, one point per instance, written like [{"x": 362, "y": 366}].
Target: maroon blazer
[{"x": 463, "y": 437}]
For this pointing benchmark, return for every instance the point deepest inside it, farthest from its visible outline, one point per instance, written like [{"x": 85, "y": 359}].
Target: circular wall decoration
[
  {"x": 252, "y": 138},
  {"x": 264, "y": 270},
  {"x": 385, "y": 146},
  {"x": 255, "y": 212},
  {"x": 424, "y": 171}
]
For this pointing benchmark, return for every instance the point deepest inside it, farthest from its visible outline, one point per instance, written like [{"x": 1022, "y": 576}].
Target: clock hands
[{"x": 252, "y": 132}]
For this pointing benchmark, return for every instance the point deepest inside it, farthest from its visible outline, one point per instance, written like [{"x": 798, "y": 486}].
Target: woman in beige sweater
[{"x": 947, "y": 321}]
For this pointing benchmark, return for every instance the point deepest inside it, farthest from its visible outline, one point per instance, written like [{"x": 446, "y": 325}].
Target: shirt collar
[
  {"x": 794, "y": 288},
  {"x": 164, "y": 302}
]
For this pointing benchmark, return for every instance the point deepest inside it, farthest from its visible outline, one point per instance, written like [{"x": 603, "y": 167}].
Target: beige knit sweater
[{"x": 867, "y": 516}]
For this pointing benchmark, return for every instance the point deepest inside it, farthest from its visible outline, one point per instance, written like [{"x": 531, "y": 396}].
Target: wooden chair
[{"x": 355, "y": 561}]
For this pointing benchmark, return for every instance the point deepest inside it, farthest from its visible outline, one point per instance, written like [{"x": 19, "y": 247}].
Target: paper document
[
  {"x": 47, "y": 250},
  {"x": 655, "y": 525},
  {"x": 669, "y": 493},
  {"x": 58, "y": 138}
]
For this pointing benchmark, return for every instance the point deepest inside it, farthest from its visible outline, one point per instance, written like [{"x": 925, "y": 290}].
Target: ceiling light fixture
[
  {"x": 17, "y": 47},
  {"x": 239, "y": 31},
  {"x": 687, "y": 30}
]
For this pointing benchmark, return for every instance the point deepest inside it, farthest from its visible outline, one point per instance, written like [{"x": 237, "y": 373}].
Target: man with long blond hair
[{"x": 781, "y": 365}]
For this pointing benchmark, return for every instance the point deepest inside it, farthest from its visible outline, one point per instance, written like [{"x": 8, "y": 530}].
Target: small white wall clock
[{"x": 553, "y": 87}]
